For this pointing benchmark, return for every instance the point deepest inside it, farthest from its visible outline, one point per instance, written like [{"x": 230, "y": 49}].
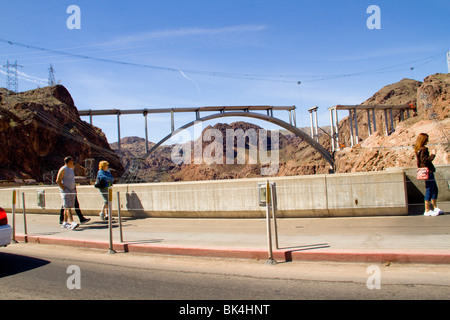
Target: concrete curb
[{"x": 280, "y": 255}]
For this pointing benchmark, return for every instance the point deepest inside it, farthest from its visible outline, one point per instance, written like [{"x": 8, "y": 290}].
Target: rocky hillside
[
  {"x": 378, "y": 152},
  {"x": 38, "y": 128}
]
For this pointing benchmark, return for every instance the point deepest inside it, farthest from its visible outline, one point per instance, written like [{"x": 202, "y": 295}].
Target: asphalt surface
[
  {"x": 404, "y": 239},
  {"x": 51, "y": 272}
]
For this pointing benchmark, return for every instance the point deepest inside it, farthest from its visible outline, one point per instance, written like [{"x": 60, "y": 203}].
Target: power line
[
  {"x": 146, "y": 66},
  {"x": 244, "y": 76}
]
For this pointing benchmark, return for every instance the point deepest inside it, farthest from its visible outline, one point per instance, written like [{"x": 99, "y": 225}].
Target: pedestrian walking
[
  {"x": 425, "y": 160},
  {"x": 66, "y": 182},
  {"x": 103, "y": 183},
  {"x": 82, "y": 218}
]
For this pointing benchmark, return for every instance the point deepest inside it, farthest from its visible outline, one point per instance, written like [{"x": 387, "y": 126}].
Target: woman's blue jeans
[{"x": 431, "y": 189}]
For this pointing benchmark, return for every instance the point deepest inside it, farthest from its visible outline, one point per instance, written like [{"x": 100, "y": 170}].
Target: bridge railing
[{"x": 197, "y": 110}]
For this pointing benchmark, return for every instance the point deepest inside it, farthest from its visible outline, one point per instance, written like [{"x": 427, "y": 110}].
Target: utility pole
[
  {"x": 51, "y": 76},
  {"x": 12, "y": 79}
]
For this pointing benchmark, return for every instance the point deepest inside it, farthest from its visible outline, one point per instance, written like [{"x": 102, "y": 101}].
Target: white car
[{"x": 5, "y": 229}]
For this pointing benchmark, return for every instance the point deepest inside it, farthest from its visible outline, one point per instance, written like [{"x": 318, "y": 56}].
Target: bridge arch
[{"x": 323, "y": 152}]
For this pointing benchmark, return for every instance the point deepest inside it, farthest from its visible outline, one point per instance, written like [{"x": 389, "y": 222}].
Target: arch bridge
[{"x": 221, "y": 111}]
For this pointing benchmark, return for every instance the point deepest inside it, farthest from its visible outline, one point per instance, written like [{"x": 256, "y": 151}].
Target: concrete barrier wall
[
  {"x": 416, "y": 189},
  {"x": 337, "y": 195}
]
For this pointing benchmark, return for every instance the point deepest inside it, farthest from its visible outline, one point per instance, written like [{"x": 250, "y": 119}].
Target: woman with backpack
[{"x": 104, "y": 182}]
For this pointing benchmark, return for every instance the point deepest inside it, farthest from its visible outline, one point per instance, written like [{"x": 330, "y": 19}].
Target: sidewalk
[{"x": 406, "y": 239}]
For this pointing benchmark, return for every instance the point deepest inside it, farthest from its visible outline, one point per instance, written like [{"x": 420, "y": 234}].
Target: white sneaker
[
  {"x": 439, "y": 211},
  {"x": 65, "y": 225},
  {"x": 73, "y": 225},
  {"x": 431, "y": 213},
  {"x": 102, "y": 215}
]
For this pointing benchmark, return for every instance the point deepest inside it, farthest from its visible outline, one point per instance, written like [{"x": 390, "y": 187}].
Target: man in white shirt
[{"x": 67, "y": 188}]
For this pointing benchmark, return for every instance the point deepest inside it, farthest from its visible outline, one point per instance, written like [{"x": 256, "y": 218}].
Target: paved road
[{"x": 33, "y": 271}]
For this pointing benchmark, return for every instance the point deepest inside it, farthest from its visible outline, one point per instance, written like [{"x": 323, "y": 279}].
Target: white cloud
[
  {"x": 23, "y": 76},
  {"x": 188, "y": 32}
]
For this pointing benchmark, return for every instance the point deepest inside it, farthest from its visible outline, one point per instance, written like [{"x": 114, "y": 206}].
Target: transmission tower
[
  {"x": 51, "y": 76},
  {"x": 12, "y": 79},
  {"x": 89, "y": 168},
  {"x": 132, "y": 174}
]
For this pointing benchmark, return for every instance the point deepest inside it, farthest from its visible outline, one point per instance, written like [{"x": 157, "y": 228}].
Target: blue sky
[{"x": 246, "y": 52}]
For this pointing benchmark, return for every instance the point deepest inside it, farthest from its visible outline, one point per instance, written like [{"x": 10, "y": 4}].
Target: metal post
[
  {"x": 110, "y": 250},
  {"x": 386, "y": 122},
  {"x": 13, "y": 240},
  {"x": 336, "y": 127},
  {"x": 120, "y": 216},
  {"x": 332, "y": 130},
  {"x": 314, "y": 123},
  {"x": 273, "y": 204},
  {"x": 317, "y": 124},
  {"x": 392, "y": 121},
  {"x": 374, "y": 121},
  {"x": 146, "y": 131},
  {"x": 172, "y": 121},
  {"x": 356, "y": 126},
  {"x": 24, "y": 217},
  {"x": 295, "y": 118},
  {"x": 350, "y": 118},
  {"x": 270, "y": 259},
  {"x": 368, "y": 122},
  {"x": 118, "y": 133}
]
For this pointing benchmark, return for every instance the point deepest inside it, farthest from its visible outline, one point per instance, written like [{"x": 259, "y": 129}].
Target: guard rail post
[
  {"x": 119, "y": 216},
  {"x": 270, "y": 259},
  {"x": 111, "y": 249},
  {"x": 24, "y": 218},
  {"x": 274, "y": 217},
  {"x": 14, "y": 195}
]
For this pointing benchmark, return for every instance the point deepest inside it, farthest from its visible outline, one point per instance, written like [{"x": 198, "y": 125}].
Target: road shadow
[
  {"x": 134, "y": 242},
  {"x": 288, "y": 253},
  {"x": 104, "y": 224},
  {"x": 11, "y": 264},
  {"x": 145, "y": 241}
]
